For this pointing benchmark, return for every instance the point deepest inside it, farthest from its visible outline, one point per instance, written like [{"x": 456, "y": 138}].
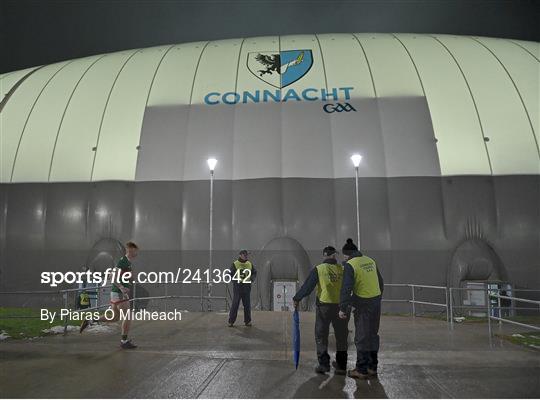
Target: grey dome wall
[{"x": 411, "y": 226}]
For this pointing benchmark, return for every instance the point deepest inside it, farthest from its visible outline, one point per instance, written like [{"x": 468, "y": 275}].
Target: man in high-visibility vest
[
  {"x": 327, "y": 277},
  {"x": 362, "y": 289},
  {"x": 242, "y": 274},
  {"x": 84, "y": 300}
]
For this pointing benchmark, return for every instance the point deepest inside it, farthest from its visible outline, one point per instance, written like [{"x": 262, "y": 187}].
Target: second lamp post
[
  {"x": 356, "y": 159},
  {"x": 212, "y": 165}
]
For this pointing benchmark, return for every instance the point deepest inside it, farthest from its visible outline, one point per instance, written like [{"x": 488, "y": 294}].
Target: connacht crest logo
[{"x": 280, "y": 69}]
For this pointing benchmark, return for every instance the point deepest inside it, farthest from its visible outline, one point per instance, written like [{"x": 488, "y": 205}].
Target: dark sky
[{"x": 41, "y": 32}]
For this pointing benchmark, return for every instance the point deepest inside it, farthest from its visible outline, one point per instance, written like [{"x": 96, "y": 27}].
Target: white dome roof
[{"x": 84, "y": 120}]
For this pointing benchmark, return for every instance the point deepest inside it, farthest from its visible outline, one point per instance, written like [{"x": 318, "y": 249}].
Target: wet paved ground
[{"x": 201, "y": 357}]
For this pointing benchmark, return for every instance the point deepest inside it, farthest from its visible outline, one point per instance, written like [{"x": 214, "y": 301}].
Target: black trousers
[
  {"x": 326, "y": 314},
  {"x": 367, "y": 317},
  {"x": 241, "y": 291}
]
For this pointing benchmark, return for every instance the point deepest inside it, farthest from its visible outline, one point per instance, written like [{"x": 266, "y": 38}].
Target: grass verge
[
  {"x": 28, "y": 324},
  {"x": 528, "y": 339}
]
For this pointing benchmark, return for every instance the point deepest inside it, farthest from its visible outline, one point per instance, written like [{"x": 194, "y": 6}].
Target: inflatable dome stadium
[{"x": 113, "y": 147}]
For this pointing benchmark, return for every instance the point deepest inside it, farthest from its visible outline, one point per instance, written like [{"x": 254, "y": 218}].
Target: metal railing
[
  {"x": 449, "y": 306},
  {"x": 453, "y": 306},
  {"x": 509, "y": 321},
  {"x": 201, "y": 297},
  {"x": 413, "y": 301},
  {"x": 487, "y": 308}
]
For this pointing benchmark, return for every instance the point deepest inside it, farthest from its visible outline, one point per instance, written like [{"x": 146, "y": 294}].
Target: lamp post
[
  {"x": 211, "y": 165},
  {"x": 356, "y": 159}
]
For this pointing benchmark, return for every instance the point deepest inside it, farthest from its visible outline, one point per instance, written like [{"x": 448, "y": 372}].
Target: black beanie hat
[{"x": 349, "y": 247}]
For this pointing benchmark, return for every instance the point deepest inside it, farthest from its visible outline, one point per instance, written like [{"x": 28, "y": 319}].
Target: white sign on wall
[{"x": 283, "y": 295}]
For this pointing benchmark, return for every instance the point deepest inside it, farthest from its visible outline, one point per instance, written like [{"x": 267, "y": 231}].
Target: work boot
[
  {"x": 337, "y": 369},
  {"x": 354, "y": 373},
  {"x": 127, "y": 345},
  {"x": 322, "y": 369}
]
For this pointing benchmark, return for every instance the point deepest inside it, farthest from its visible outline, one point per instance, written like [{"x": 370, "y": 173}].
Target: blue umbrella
[{"x": 296, "y": 338}]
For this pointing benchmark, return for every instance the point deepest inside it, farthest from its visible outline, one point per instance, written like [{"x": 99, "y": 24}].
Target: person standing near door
[{"x": 242, "y": 274}]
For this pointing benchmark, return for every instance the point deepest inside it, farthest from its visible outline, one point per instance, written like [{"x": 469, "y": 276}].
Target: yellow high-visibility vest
[
  {"x": 330, "y": 280},
  {"x": 85, "y": 299},
  {"x": 366, "y": 280},
  {"x": 241, "y": 266}
]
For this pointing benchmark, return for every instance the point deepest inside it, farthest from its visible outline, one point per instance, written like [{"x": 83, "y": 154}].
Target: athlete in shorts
[{"x": 120, "y": 296}]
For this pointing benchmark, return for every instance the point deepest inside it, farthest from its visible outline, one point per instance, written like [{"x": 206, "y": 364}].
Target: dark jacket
[{"x": 348, "y": 298}]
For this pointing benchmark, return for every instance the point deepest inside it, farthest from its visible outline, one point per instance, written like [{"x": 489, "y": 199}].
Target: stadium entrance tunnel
[
  {"x": 281, "y": 259},
  {"x": 474, "y": 260}
]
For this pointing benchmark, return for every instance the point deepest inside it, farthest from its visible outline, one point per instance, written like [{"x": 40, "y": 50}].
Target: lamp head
[
  {"x": 356, "y": 158},
  {"x": 211, "y": 164}
]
